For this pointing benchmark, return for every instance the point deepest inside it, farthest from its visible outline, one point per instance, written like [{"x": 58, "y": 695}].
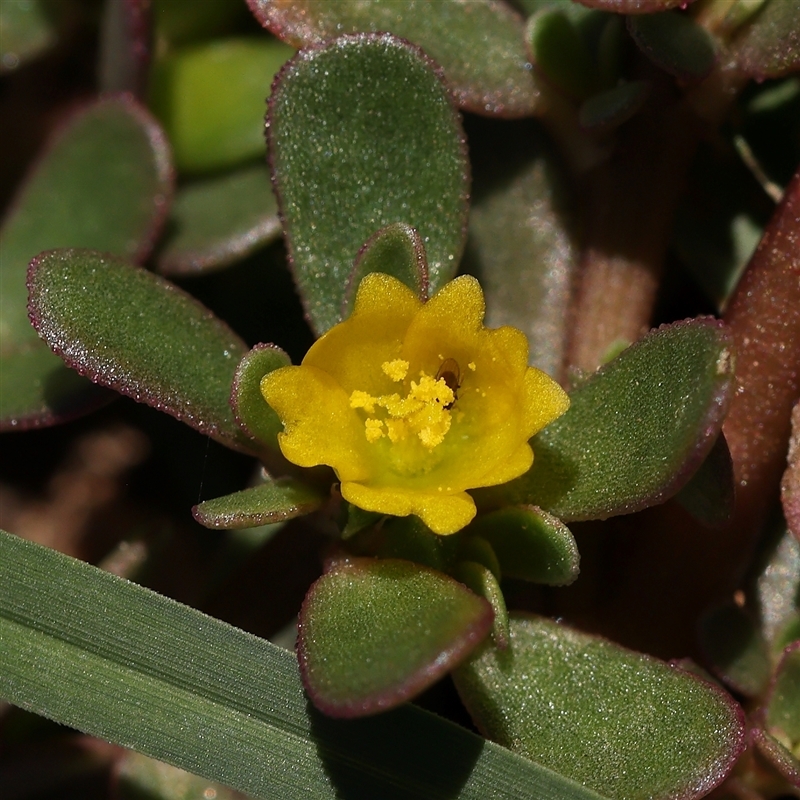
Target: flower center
[{"x": 424, "y": 411}]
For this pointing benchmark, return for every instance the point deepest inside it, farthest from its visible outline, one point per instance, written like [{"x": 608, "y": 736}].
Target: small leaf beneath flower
[
  {"x": 273, "y": 501},
  {"x": 674, "y": 42},
  {"x": 783, "y": 703},
  {"x": 559, "y": 53},
  {"x": 710, "y": 494},
  {"x": 134, "y": 332},
  {"x": 210, "y": 99},
  {"x": 636, "y": 430},
  {"x": 768, "y": 46},
  {"x": 252, "y": 412},
  {"x": 736, "y": 648},
  {"x": 362, "y": 134},
  {"x": 530, "y": 544},
  {"x": 104, "y": 182},
  {"x": 410, "y": 539},
  {"x": 621, "y": 723},
  {"x": 216, "y": 221},
  {"x": 481, "y": 580},
  {"x": 395, "y": 250},
  {"x": 374, "y": 633},
  {"x": 479, "y": 46},
  {"x": 608, "y": 110}
]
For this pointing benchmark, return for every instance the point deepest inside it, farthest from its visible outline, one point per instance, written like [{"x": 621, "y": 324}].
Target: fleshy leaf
[
  {"x": 608, "y": 110},
  {"x": 395, "y": 250},
  {"x": 252, "y": 412},
  {"x": 27, "y": 30},
  {"x": 104, "y": 182},
  {"x": 374, "y": 633},
  {"x": 733, "y": 643},
  {"x": 530, "y": 544},
  {"x": 521, "y": 248},
  {"x": 636, "y": 430},
  {"x": 210, "y": 98},
  {"x": 483, "y": 582},
  {"x": 273, "y": 501},
  {"x": 116, "y": 660},
  {"x": 783, "y": 703},
  {"x": 674, "y": 42},
  {"x": 560, "y": 54},
  {"x": 619, "y": 722},
  {"x": 479, "y": 45},
  {"x": 710, "y": 494},
  {"x": 778, "y": 590},
  {"x": 134, "y": 332},
  {"x": 769, "y": 45},
  {"x": 218, "y": 220},
  {"x": 779, "y": 757},
  {"x": 348, "y": 159}
]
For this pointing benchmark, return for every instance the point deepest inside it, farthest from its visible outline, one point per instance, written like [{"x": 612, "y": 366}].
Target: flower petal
[
  {"x": 543, "y": 401},
  {"x": 442, "y": 513},
  {"x": 319, "y": 425}
]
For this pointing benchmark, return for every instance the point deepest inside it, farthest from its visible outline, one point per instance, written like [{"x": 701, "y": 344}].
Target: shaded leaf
[
  {"x": 483, "y": 582},
  {"x": 374, "y": 633},
  {"x": 636, "y": 430},
  {"x": 134, "y": 332},
  {"x": 790, "y": 484},
  {"x": 709, "y": 496},
  {"x": 769, "y": 45},
  {"x": 210, "y": 99},
  {"x": 218, "y": 220},
  {"x": 778, "y": 589},
  {"x": 348, "y": 159},
  {"x": 781, "y": 759},
  {"x": 118, "y": 661},
  {"x": 269, "y": 502},
  {"x": 634, "y": 6},
  {"x": 105, "y": 182},
  {"x": 478, "y": 42},
  {"x": 559, "y": 53},
  {"x": 521, "y": 249},
  {"x": 608, "y": 110},
  {"x": 255, "y": 416},
  {"x": 26, "y": 30},
  {"x": 395, "y": 250},
  {"x": 623, "y": 723},
  {"x": 674, "y": 42},
  {"x": 736, "y": 649},
  {"x": 783, "y": 702},
  {"x": 530, "y": 544}
]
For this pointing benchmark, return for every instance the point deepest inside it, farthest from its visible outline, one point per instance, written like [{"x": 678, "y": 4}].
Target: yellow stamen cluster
[{"x": 423, "y": 411}]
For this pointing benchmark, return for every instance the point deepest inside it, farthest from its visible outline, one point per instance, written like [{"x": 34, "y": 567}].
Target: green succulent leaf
[
  {"x": 478, "y": 43},
  {"x": 634, "y": 6},
  {"x": 710, "y": 494},
  {"x": 636, "y": 430},
  {"x": 484, "y": 583},
  {"x": 783, "y": 703},
  {"x": 27, "y": 30},
  {"x": 376, "y": 632},
  {"x": 218, "y": 220},
  {"x": 734, "y": 645},
  {"x": 210, "y": 99},
  {"x": 619, "y": 722},
  {"x": 134, "y": 332},
  {"x": 779, "y": 757},
  {"x": 778, "y": 590},
  {"x": 560, "y": 54},
  {"x": 607, "y": 110},
  {"x": 269, "y": 502},
  {"x": 255, "y": 416},
  {"x": 768, "y": 46},
  {"x": 118, "y": 661},
  {"x": 530, "y": 544},
  {"x": 348, "y": 159},
  {"x": 395, "y": 250},
  {"x": 104, "y": 182},
  {"x": 674, "y": 42},
  {"x": 521, "y": 245}
]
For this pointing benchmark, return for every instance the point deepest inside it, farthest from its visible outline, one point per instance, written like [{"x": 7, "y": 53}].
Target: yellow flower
[{"x": 413, "y": 403}]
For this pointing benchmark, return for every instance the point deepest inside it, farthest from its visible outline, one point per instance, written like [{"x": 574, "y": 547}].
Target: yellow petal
[
  {"x": 543, "y": 401},
  {"x": 319, "y": 425},
  {"x": 442, "y": 513}
]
